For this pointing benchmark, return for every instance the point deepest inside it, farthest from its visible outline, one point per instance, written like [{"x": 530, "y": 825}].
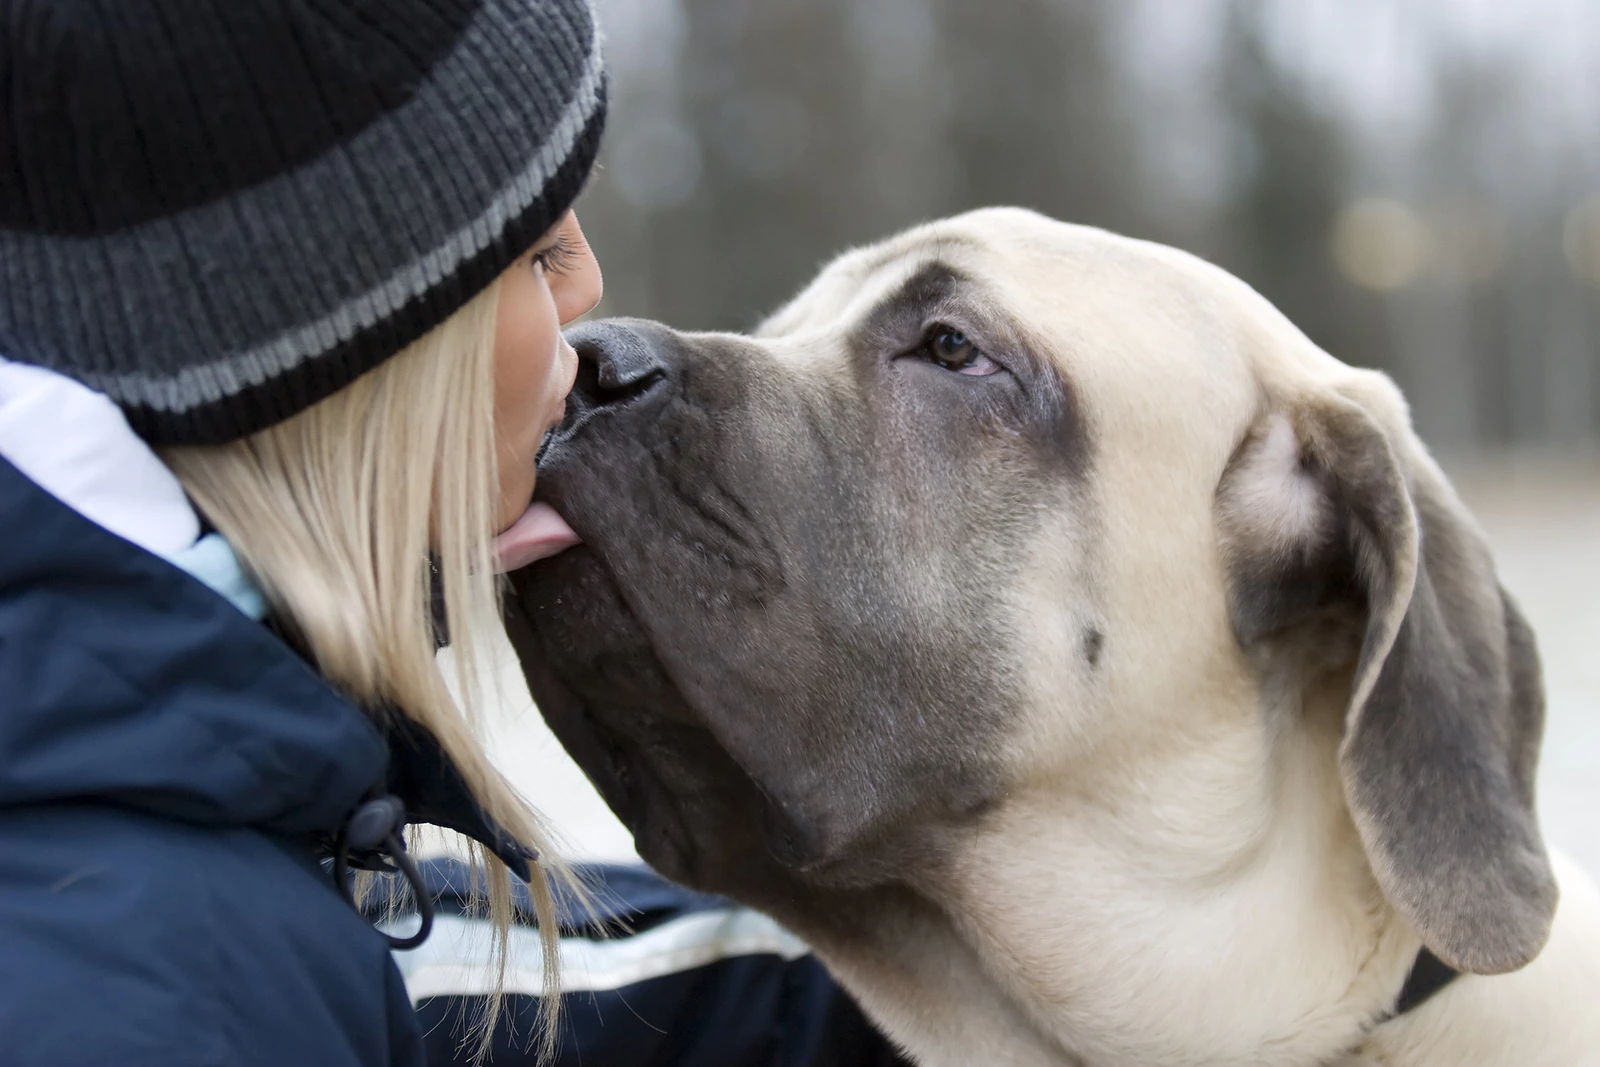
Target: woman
[
  {"x": 281, "y": 284},
  {"x": 281, "y": 287}
]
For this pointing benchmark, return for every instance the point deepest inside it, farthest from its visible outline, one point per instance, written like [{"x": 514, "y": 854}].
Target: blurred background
[{"x": 1416, "y": 184}]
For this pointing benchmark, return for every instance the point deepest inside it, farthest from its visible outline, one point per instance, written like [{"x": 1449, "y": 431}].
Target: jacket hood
[{"x": 124, "y": 679}]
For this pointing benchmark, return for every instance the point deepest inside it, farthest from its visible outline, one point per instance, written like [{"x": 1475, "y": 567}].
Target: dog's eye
[{"x": 954, "y": 351}]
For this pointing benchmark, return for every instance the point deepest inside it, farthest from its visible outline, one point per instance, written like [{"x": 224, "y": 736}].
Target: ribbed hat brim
[{"x": 223, "y": 318}]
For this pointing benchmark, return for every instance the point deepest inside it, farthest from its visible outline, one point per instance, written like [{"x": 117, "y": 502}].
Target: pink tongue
[{"x": 538, "y": 534}]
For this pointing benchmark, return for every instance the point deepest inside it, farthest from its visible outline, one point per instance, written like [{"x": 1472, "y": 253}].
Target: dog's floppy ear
[{"x": 1334, "y": 504}]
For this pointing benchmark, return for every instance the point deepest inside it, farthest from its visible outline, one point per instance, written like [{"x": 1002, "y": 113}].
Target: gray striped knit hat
[{"x": 218, "y": 212}]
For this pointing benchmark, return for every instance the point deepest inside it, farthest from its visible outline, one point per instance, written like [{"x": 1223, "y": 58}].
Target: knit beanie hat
[{"x": 218, "y": 212}]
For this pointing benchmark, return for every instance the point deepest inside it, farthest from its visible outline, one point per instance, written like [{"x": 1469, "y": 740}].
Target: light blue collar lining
[{"x": 212, "y": 561}]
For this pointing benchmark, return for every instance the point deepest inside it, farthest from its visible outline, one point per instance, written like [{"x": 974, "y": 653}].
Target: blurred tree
[
  {"x": 1039, "y": 117},
  {"x": 769, "y": 94},
  {"x": 818, "y": 124},
  {"x": 1291, "y": 178},
  {"x": 1462, "y": 324}
]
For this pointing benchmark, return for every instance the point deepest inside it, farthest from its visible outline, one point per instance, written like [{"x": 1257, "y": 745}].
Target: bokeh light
[
  {"x": 1580, "y": 240},
  {"x": 1380, "y": 244}
]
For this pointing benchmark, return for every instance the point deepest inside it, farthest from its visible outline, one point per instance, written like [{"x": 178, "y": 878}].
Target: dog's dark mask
[{"x": 782, "y": 649}]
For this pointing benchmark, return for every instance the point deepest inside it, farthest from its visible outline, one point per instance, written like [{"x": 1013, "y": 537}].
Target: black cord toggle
[
  {"x": 371, "y": 824},
  {"x": 373, "y": 833}
]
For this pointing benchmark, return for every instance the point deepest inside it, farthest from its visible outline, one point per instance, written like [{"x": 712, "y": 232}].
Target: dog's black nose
[{"x": 618, "y": 360}]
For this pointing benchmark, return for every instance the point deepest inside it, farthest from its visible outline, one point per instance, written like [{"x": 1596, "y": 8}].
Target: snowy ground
[{"x": 1543, "y": 518}]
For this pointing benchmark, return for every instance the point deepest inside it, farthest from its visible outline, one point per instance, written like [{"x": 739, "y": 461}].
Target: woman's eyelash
[{"x": 555, "y": 259}]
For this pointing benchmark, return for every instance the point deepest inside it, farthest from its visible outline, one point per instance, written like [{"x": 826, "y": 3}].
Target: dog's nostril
[
  {"x": 616, "y": 362},
  {"x": 586, "y": 392}
]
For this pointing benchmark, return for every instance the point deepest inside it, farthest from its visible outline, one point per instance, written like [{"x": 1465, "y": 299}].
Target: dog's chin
[
  {"x": 600, "y": 684},
  {"x": 697, "y": 815},
  {"x": 596, "y": 680}
]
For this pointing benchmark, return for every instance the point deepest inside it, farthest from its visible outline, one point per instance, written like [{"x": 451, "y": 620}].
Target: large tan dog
[{"x": 1091, "y": 668}]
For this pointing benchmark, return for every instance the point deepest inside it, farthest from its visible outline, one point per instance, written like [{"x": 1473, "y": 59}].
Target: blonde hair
[{"x": 335, "y": 511}]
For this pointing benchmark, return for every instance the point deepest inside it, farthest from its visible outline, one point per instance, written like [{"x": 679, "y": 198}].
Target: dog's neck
[{"x": 1215, "y": 907}]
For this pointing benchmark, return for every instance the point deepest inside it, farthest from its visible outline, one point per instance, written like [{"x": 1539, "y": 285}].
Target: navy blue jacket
[
  {"x": 736, "y": 1002},
  {"x": 162, "y": 760},
  {"x": 165, "y": 763}
]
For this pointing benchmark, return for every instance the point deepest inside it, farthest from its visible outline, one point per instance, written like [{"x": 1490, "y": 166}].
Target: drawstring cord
[{"x": 372, "y": 833}]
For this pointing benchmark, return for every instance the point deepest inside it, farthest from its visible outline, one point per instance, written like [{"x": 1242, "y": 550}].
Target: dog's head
[{"x": 1005, "y": 501}]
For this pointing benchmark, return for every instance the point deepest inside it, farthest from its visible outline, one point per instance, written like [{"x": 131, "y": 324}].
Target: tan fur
[{"x": 1174, "y": 875}]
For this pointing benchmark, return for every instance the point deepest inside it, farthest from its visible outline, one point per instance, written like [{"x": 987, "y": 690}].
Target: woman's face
[{"x": 534, "y": 366}]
